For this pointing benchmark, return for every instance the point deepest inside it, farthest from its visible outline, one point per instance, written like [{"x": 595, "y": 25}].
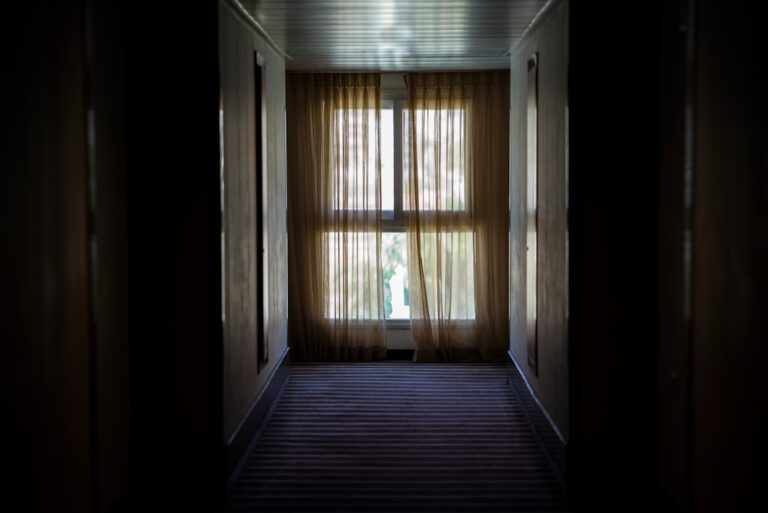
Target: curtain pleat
[
  {"x": 456, "y": 184},
  {"x": 336, "y": 300}
]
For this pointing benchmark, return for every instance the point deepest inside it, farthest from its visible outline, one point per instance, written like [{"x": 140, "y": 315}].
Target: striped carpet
[{"x": 396, "y": 436}]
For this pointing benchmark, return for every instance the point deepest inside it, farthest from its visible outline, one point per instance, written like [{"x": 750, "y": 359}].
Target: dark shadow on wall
[{"x": 614, "y": 99}]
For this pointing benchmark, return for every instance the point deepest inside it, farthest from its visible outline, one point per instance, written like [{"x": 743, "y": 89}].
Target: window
[{"x": 445, "y": 196}]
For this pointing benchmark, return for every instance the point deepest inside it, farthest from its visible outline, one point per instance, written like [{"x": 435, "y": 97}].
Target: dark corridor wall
[
  {"x": 729, "y": 290},
  {"x": 668, "y": 253},
  {"x": 713, "y": 254},
  {"x": 614, "y": 134},
  {"x": 245, "y": 379},
  {"x": 549, "y": 41},
  {"x": 174, "y": 223},
  {"x": 45, "y": 348},
  {"x": 111, "y": 343}
]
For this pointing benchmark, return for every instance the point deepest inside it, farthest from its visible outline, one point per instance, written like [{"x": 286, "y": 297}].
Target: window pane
[
  {"x": 355, "y": 146},
  {"x": 395, "y": 271},
  {"x": 441, "y": 158},
  {"x": 352, "y": 277},
  {"x": 453, "y": 288}
]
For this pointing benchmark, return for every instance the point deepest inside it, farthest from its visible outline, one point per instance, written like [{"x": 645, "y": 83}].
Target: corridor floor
[{"x": 396, "y": 436}]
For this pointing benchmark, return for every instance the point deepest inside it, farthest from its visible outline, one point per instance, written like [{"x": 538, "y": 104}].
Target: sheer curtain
[
  {"x": 336, "y": 300},
  {"x": 456, "y": 185}
]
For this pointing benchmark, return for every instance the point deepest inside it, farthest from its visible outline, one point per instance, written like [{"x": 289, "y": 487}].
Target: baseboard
[
  {"x": 540, "y": 422},
  {"x": 239, "y": 444}
]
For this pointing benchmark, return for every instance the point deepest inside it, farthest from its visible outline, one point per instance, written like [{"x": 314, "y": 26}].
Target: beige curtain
[
  {"x": 336, "y": 302},
  {"x": 456, "y": 184}
]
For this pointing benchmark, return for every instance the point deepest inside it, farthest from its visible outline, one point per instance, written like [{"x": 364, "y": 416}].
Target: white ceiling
[{"x": 394, "y": 35}]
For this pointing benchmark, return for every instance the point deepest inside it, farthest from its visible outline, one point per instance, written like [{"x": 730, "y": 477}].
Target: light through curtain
[
  {"x": 456, "y": 195},
  {"x": 336, "y": 299}
]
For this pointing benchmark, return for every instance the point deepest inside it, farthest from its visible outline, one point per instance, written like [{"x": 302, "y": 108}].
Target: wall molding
[
  {"x": 248, "y": 430},
  {"x": 246, "y": 16},
  {"x": 543, "y": 427},
  {"x": 537, "y": 20}
]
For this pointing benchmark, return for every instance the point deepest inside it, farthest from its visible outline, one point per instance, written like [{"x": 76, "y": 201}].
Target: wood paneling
[
  {"x": 550, "y": 40},
  {"x": 243, "y": 379}
]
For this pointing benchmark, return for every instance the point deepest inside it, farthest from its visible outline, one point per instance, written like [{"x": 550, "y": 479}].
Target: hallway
[
  {"x": 198, "y": 197},
  {"x": 397, "y": 436}
]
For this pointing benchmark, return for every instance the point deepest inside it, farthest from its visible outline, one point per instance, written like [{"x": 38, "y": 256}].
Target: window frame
[{"x": 394, "y": 221}]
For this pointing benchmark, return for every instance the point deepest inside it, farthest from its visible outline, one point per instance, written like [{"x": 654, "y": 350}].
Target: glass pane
[
  {"x": 395, "y": 270},
  {"x": 439, "y": 142},
  {"x": 355, "y": 146},
  {"x": 352, "y": 276},
  {"x": 452, "y": 289},
  {"x": 353, "y": 290}
]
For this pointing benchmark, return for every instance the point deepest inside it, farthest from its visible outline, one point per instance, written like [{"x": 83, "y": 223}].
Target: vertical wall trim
[
  {"x": 688, "y": 217},
  {"x": 262, "y": 212},
  {"x": 92, "y": 252},
  {"x": 532, "y": 212}
]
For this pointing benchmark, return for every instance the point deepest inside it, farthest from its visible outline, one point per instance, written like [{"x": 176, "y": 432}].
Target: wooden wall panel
[
  {"x": 550, "y": 40},
  {"x": 243, "y": 380}
]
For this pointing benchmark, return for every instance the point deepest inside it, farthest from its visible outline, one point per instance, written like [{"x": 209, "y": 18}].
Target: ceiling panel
[{"x": 394, "y": 35}]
